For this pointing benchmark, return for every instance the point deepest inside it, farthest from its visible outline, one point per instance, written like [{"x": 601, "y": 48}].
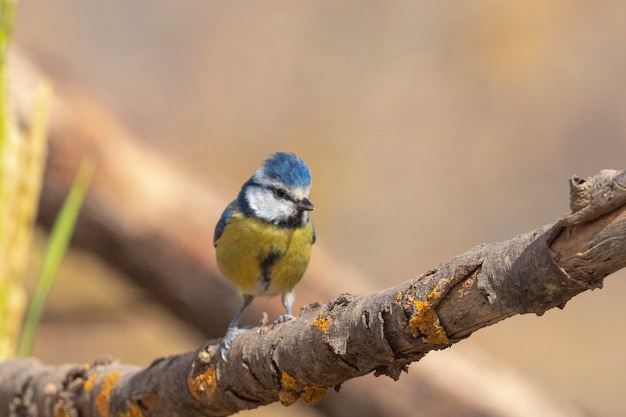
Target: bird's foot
[
  {"x": 231, "y": 334},
  {"x": 283, "y": 318}
]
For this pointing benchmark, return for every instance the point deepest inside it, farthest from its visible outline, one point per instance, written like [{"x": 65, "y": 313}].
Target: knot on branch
[{"x": 595, "y": 196}]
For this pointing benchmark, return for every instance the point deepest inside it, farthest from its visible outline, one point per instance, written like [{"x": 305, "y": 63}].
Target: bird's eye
[{"x": 279, "y": 193}]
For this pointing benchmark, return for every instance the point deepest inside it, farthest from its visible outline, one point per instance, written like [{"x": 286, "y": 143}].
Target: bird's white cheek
[
  {"x": 283, "y": 210},
  {"x": 258, "y": 199},
  {"x": 267, "y": 207},
  {"x": 275, "y": 210}
]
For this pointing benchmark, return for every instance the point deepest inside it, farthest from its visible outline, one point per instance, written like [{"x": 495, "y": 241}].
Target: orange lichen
[
  {"x": 426, "y": 322},
  {"x": 133, "y": 411},
  {"x": 103, "y": 397},
  {"x": 202, "y": 384},
  {"x": 88, "y": 385},
  {"x": 288, "y": 394},
  {"x": 434, "y": 294},
  {"x": 321, "y": 323},
  {"x": 288, "y": 382},
  {"x": 313, "y": 394},
  {"x": 61, "y": 410},
  {"x": 399, "y": 297}
]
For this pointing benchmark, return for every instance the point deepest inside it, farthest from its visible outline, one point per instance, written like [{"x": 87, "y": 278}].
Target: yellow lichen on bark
[
  {"x": 288, "y": 394},
  {"x": 399, "y": 297},
  {"x": 426, "y": 322},
  {"x": 322, "y": 323},
  {"x": 133, "y": 411},
  {"x": 313, "y": 394},
  {"x": 61, "y": 410},
  {"x": 89, "y": 383},
  {"x": 102, "y": 400},
  {"x": 202, "y": 384},
  {"x": 434, "y": 294}
]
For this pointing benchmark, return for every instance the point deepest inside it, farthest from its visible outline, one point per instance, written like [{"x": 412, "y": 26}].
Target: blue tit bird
[{"x": 263, "y": 239}]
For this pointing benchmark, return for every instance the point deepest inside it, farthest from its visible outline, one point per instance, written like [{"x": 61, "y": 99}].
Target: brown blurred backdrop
[{"x": 429, "y": 127}]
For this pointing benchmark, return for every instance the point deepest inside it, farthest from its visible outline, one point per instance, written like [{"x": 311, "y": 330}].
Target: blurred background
[{"x": 429, "y": 127}]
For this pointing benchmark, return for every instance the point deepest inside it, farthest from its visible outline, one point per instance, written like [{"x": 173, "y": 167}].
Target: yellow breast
[{"x": 260, "y": 258}]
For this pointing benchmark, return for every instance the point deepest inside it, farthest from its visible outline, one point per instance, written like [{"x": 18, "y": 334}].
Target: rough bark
[{"x": 354, "y": 334}]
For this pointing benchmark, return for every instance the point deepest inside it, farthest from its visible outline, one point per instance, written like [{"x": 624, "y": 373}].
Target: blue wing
[{"x": 223, "y": 221}]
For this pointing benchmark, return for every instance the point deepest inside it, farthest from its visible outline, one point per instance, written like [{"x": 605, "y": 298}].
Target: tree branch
[{"x": 353, "y": 335}]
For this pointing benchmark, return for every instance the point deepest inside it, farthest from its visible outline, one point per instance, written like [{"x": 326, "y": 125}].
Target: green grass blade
[
  {"x": 7, "y": 13},
  {"x": 7, "y": 292},
  {"x": 59, "y": 240}
]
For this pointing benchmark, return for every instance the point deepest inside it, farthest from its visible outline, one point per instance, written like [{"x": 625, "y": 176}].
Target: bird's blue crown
[{"x": 288, "y": 169}]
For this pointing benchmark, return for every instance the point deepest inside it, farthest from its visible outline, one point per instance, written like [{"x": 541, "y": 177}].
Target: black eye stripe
[{"x": 280, "y": 193}]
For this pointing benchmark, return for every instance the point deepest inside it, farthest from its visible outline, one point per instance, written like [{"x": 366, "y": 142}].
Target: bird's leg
[
  {"x": 288, "y": 298},
  {"x": 233, "y": 330}
]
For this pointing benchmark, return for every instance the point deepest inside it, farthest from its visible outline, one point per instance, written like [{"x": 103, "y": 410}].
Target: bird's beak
[{"x": 305, "y": 204}]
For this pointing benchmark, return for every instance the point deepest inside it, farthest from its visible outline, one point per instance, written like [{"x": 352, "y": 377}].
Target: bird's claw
[
  {"x": 283, "y": 318},
  {"x": 231, "y": 334}
]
